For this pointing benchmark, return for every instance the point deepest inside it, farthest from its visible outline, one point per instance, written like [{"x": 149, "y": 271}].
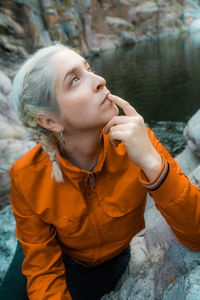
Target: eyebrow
[{"x": 73, "y": 70}]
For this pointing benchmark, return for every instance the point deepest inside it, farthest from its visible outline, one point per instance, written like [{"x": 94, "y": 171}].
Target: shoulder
[{"x": 34, "y": 157}]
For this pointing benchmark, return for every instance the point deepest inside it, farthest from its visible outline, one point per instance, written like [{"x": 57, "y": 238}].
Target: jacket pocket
[
  {"x": 120, "y": 205},
  {"x": 74, "y": 224}
]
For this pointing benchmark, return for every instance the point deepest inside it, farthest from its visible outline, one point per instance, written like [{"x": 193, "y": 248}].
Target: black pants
[{"x": 84, "y": 283}]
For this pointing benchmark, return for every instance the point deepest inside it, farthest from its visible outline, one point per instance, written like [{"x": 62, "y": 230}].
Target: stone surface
[
  {"x": 85, "y": 25},
  {"x": 142, "y": 12},
  {"x": 14, "y": 139},
  {"x": 160, "y": 267},
  {"x": 187, "y": 160},
  {"x": 191, "y": 133},
  {"x": 8, "y": 240},
  {"x": 5, "y": 84},
  {"x": 194, "y": 176}
]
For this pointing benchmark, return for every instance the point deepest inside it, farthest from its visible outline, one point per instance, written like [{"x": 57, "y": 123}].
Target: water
[{"x": 161, "y": 79}]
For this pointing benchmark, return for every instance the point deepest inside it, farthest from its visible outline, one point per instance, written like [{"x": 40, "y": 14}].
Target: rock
[
  {"x": 128, "y": 38},
  {"x": 159, "y": 272},
  {"x": 14, "y": 141},
  {"x": 187, "y": 161},
  {"x": 119, "y": 23},
  {"x": 194, "y": 176},
  {"x": 8, "y": 240},
  {"x": 5, "y": 84},
  {"x": 12, "y": 147},
  {"x": 9, "y": 26},
  {"x": 81, "y": 24},
  {"x": 195, "y": 26},
  {"x": 142, "y": 12},
  {"x": 192, "y": 133},
  {"x": 107, "y": 41}
]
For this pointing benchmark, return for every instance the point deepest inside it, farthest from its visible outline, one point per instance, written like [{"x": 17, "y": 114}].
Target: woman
[{"x": 79, "y": 196}]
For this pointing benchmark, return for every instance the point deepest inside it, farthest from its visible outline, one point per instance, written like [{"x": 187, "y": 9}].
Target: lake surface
[{"x": 161, "y": 79}]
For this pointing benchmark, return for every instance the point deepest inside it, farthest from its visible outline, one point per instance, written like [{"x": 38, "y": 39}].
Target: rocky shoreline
[{"x": 89, "y": 26}]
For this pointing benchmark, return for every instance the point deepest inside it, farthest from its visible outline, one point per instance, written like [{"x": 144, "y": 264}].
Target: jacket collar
[{"x": 73, "y": 172}]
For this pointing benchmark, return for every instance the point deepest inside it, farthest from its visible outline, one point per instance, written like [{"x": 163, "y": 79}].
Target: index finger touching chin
[{"x": 128, "y": 109}]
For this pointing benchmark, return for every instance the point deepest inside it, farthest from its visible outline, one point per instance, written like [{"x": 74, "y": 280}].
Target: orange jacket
[{"x": 92, "y": 216}]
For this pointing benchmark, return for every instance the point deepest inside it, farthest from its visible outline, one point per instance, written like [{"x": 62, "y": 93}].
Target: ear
[{"x": 49, "y": 121}]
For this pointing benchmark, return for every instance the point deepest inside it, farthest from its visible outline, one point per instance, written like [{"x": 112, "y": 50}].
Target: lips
[{"x": 106, "y": 97}]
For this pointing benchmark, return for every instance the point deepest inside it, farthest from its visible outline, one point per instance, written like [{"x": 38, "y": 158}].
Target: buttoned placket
[{"x": 90, "y": 197}]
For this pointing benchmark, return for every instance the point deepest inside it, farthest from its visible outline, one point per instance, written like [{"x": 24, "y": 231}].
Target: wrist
[{"x": 152, "y": 166}]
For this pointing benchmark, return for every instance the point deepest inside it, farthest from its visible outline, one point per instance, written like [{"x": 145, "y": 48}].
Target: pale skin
[{"x": 84, "y": 113}]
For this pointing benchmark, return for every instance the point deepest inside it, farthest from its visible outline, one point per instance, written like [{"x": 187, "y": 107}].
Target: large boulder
[
  {"x": 192, "y": 134},
  {"x": 14, "y": 141},
  {"x": 187, "y": 160},
  {"x": 160, "y": 267}
]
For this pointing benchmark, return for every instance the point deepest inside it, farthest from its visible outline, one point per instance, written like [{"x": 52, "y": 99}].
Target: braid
[
  {"x": 51, "y": 151},
  {"x": 33, "y": 93},
  {"x": 43, "y": 136}
]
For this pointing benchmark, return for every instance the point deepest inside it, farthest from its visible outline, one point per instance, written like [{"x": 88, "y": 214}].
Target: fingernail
[
  {"x": 111, "y": 96},
  {"x": 105, "y": 130}
]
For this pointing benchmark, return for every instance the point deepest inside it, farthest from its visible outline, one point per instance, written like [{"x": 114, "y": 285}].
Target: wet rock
[{"x": 128, "y": 38}]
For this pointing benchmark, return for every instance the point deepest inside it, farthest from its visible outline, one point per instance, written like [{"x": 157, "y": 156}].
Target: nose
[{"x": 99, "y": 82}]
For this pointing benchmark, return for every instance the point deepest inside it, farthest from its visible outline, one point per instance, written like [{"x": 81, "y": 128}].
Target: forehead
[{"x": 64, "y": 60}]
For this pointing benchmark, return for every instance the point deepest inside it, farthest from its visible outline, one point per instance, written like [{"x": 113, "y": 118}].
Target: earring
[{"x": 62, "y": 137}]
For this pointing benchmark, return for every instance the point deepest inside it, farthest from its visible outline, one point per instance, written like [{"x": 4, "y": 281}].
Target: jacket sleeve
[
  {"x": 43, "y": 265},
  {"x": 176, "y": 198}
]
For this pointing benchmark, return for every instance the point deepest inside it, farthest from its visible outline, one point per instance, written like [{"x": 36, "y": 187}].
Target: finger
[
  {"x": 115, "y": 121},
  {"x": 121, "y": 127},
  {"x": 116, "y": 137},
  {"x": 125, "y": 105}
]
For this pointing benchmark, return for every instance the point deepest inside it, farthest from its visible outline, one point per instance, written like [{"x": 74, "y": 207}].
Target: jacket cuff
[
  {"x": 158, "y": 180},
  {"x": 167, "y": 186}
]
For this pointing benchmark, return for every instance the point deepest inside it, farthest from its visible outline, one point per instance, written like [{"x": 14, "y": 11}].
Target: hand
[{"x": 131, "y": 130}]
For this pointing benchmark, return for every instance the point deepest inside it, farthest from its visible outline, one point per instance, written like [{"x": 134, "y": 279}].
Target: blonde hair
[{"x": 33, "y": 93}]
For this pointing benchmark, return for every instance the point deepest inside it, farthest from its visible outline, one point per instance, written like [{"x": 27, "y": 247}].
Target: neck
[{"x": 82, "y": 148}]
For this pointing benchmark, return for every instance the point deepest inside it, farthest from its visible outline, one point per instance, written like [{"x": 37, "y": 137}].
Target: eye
[
  {"x": 91, "y": 70},
  {"x": 74, "y": 80}
]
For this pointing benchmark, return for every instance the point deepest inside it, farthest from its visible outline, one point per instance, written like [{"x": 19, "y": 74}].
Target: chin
[
  {"x": 115, "y": 111},
  {"x": 111, "y": 114}
]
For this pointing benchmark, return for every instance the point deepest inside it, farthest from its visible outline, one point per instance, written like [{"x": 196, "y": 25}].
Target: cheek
[
  {"x": 80, "y": 97},
  {"x": 78, "y": 108}
]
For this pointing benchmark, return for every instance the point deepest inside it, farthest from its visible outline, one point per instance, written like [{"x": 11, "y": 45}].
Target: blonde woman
[{"x": 79, "y": 196}]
